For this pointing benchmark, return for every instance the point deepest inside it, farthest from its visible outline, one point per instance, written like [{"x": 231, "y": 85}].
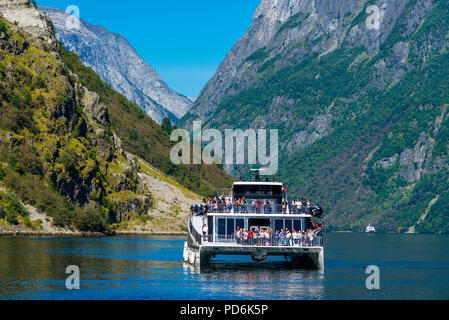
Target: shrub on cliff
[
  {"x": 2, "y": 172},
  {"x": 92, "y": 220},
  {"x": 2, "y": 25},
  {"x": 68, "y": 159},
  {"x": 11, "y": 208}
]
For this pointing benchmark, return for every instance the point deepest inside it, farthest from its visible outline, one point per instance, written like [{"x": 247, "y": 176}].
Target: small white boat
[{"x": 370, "y": 229}]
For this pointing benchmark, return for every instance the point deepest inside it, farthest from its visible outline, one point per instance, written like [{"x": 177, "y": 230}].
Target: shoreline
[
  {"x": 43, "y": 234},
  {"x": 74, "y": 234},
  {"x": 150, "y": 233}
]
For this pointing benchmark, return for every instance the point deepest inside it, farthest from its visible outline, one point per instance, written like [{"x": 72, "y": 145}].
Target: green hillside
[
  {"x": 383, "y": 157},
  {"x": 60, "y": 142},
  {"x": 143, "y": 136}
]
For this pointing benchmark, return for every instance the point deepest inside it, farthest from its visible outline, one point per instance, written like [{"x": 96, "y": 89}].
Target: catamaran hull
[{"x": 300, "y": 257}]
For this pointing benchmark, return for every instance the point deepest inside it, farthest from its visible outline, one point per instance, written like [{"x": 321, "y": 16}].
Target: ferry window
[
  {"x": 258, "y": 192},
  {"x": 259, "y": 222},
  {"x": 278, "y": 225},
  {"x": 288, "y": 224},
  {"x": 309, "y": 224},
  {"x": 240, "y": 223},
  {"x": 230, "y": 227},
  {"x": 221, "y": 227},
  {"x": 297, "y": 225}
]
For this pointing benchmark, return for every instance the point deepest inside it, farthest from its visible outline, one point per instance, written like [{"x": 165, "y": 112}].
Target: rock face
[
  {"x": 32, "y": 21},
  {"x": 358, "y": 92},
  {"x": 281, "y": 27},
  {"x": 59, "y": 134},
  {"x": 415, "y": 162},
  {"x": 115, "y": 60}
]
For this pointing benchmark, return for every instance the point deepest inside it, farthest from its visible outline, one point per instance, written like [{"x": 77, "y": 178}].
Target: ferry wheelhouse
[{"x": 254, "y": 220}]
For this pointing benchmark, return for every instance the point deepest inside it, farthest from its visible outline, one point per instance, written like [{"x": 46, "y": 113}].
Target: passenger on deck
[
  {"x": 276, "y": 238},
  {"x": 272, "y": 206},
  {"x": 308, "y": 207},
  {"x": 310, "y": 237},
  {"x": 238, "y": 235},
  {"x": 256, "y": 237},
  {"x": 267, "y": 207},
  {"x": 228, "y": 206},
  {"x": 319, "y": 235},
  {"x": 282, "y": 235},
  {"x": 295, "y": 237},
  {"x": 259, "y": 206},
  {"x": 245, "y": 237},
  {"x": 288, "y": 236},
  {"x": 251, "y": 237},
  {"x": 244, "y": 205},
  {"x": 267, "y": 238}
]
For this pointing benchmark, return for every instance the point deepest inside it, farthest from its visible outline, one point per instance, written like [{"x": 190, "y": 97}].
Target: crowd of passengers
[
  {"x": 265, "y": 206},
  {"x": 268, "y": 237}
]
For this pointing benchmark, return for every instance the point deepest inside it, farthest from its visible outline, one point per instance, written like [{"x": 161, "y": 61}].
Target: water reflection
[
  {"x": 266, "y": 280},
  {"x": 413, "y": 267}
]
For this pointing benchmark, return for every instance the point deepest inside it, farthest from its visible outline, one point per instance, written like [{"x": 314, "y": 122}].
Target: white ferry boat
[
  {"x": 255, "y": 220},
  {"x": 370, "y": 229}
]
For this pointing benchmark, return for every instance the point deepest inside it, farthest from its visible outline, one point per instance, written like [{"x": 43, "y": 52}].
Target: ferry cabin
[{"x": 255, "y": 206}]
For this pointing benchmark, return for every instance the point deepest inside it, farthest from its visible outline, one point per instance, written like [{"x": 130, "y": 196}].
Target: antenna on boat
[{"x": 257, "y": 174}]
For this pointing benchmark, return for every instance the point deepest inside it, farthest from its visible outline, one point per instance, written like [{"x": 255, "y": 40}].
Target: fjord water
[{"x": 151, "y": 267}]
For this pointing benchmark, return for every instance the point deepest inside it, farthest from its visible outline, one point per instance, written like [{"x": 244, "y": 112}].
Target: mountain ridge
[
  {"x": 69, "y": 162},
  {"x": 360, "y": 112},
  {"x": 118, "y": 63}
]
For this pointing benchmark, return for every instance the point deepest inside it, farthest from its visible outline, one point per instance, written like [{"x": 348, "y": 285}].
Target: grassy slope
[
  {"x": 32, "y": 84},
  {"x": 144, "y": 137},
  {"x": 37, "y": 147}
]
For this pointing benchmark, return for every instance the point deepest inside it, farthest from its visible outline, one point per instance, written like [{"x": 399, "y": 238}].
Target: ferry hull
[{"x": 300, "y": 257}]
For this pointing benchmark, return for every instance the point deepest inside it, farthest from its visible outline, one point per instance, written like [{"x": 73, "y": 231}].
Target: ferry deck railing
[
  {"x": 258, "y": 209},
  {"x": 272, "y": 241},
  {"x": 196, "y": 236}
]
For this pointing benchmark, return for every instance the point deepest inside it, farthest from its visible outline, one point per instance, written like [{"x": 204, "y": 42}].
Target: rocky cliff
[
  {"x": 358, "y": 91},
  {"x": 117, "y": 62},
  {"x": 60, "y": 156},
  {"x": 285, "y": 32}
]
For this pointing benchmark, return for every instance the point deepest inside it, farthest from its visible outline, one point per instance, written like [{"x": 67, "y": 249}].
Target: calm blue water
[{"x": 151, "y": 267}]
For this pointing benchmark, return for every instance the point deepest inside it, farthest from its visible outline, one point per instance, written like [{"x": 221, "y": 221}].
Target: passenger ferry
[{"x": 250, "y": 222}]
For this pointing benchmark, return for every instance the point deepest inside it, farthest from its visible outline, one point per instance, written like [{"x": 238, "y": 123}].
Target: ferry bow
[{"x": 256, "y": 220}]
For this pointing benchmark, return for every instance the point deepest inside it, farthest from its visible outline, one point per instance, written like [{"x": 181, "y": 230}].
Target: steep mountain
[
  {"x": 70, "y": 155},
  {"x": 114, "y": 59},
  {"x": 359, "y": 95}
]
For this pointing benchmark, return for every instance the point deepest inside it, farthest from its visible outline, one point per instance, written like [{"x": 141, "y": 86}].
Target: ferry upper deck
[{"x": 254, "y": 210}]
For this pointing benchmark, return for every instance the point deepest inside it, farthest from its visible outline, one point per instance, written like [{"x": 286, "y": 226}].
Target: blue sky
[{"x": 185, "y": 41}]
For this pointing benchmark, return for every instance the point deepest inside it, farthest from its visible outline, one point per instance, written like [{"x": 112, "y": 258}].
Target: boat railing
[
  {"x": 257, "y": 209},
  {"x": 316, "y": 241},
  {"x": 225, "y": 239},
  {"x": 196, "y": 236}
]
